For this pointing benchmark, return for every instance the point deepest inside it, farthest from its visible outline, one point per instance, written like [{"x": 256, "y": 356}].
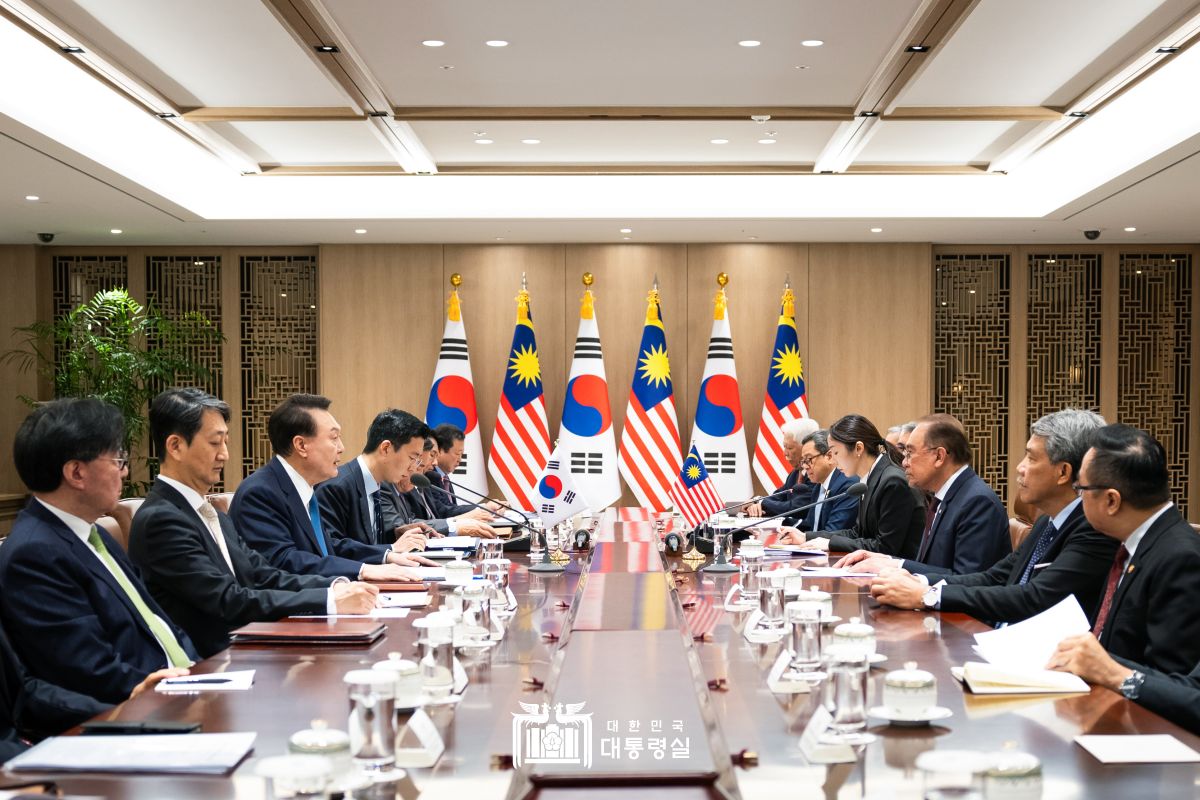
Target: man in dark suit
[
  {"x": 830, "y": 481},
  {"x": 1063, "y": 555},
  {"x": 74, "y": 606},
  {"x": 350, "y": 502},
  {"x": 195, "y": 564},
  {"x": 966, "y": 527},
  {"x": 1147, "y": 613},
  {"x": 275, "y": 509},
  {"x": 430, "y": 504},
  {"x": 450, "y": 441},
  {"x": 798, "y": 489}
]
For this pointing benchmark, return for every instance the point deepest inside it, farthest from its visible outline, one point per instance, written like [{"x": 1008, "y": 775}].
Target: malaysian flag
[
  {"x": 452, "y": 398},
  {"x": 693, "y": 493},
  {"x": 586, "y": 438},
  {"x": 717, "y": 431},
  {"x": 785, "y": 399},
  {"x": 649, "y": 453},
  {"x": 521, "y": 441}
]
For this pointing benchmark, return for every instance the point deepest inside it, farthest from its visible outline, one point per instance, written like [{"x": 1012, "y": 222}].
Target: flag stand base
[
  {"x": 721, "y": 565},
  {"x": 548, "y": 564}
]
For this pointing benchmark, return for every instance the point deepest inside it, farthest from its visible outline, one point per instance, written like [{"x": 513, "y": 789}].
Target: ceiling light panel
[
  {"x": 615, "y": 53},
  {"x": 314, "y": 142},
  {"x": 623, "y": 142},
  {"x": 216, "y": 53},
  {"x": 1063, "y": 47}
]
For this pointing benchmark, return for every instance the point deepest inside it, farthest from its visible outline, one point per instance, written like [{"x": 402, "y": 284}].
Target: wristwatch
[
  {"x": 1132, "y": 686},
  {"x": 933, "y": 597}
]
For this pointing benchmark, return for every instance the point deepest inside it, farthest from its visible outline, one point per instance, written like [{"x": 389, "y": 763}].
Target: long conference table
[{"x": 616, "y": 632}]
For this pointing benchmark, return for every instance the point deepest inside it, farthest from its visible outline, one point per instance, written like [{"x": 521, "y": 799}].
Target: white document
[
  {"x": 1002, "y": 679},
  {"x": 452, "y": 543},
  {"x": 403, "y": 600},
  {"x": 1138, "y": 749},
  {"x": 833, "y": 572},
  {"x": 192, "y": 753},
  {"x": 794, "y": 549},
  {"x": 430, "y": 573},
  {"x": 1028, "y": 645},
  {"x": 208, "y": 682}
]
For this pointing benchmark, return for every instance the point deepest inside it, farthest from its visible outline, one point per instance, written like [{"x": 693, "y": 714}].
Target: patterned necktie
[
  {"x": 161, "y": 631},
  {"x": 1110, "y": 589},
  {"x": 931, "y": 508},
  {"x": 449, "y": 487},
  {"x": 209, "y": 514},
  {"x": 378, "y": 509},
  {"x": 1049, "y": 534},
  {"x": 314, "y": 514}
]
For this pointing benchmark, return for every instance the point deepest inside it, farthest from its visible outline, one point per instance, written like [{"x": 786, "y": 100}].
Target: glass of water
[
  {"x": 847, "y": 696},
  {"x": 805, "y": 619},
  {"x": 537, "y": 539}
]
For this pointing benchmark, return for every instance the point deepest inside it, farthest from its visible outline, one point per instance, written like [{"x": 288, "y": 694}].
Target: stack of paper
[
  {"x": 452, "y": 543},
  {"x": 1017, "y": 654}
]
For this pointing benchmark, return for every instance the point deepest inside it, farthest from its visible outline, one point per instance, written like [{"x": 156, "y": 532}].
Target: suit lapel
[
  {"x": 171, "y": 495},
  {"x": 298, "y": 509},
  {"x": 1151, "y": 538},
  {"x": 358, "y": 491},
  {"x": 959, "y": 484}
]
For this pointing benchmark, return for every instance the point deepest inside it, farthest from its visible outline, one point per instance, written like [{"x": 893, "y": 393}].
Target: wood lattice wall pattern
[
  {"x": 1155, "y": 356},
  {"x": 1063, "y": 333},
  {"x": 971, "y": 351},
  {"x": 179, "y": 285},
  {"x": 278, "y": 300},
  {"x": 78, "y": 278}
]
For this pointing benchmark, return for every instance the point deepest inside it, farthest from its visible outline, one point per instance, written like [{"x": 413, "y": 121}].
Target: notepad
[
  {"x": 1140, "y": 748},
  {"x": 238, "y": 681},
  {"x": 452, "y": 543},
  {"x": 997, "y": 679},
  {"x": 195, "y": 753}
]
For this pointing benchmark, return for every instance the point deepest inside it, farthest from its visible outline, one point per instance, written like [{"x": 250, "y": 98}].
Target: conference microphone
[
  {"x": 420, "y": 481},
  {"x": 772, "y": 495},
  {"x": 500, "y": 503},
  {"x": 857, "y": 490}
]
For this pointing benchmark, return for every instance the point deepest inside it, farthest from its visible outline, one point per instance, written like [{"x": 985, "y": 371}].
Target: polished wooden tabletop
[{"x": 615, "y": 631}]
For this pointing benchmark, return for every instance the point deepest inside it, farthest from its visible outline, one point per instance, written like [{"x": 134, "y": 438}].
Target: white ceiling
[{"x": 236, "y": 53}]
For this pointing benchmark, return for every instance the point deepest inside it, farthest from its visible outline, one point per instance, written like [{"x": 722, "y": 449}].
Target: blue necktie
[
  {"x": 314, "y": 513},
  {"x": 1039, "y": 550}
]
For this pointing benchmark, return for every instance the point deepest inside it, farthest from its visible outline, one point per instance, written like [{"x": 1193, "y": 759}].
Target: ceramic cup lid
[
  {"x": 909, "y": 678},
  {"x": 855, "y": 628},
  {"x": 320, "y": 739}
]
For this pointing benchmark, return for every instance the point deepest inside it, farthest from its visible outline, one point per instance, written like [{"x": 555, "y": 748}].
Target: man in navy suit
[
  {"x": 432, "y": 505},
  {"x": 798, "y": 489},
  {"x": 830, "y": 481},
  {"x": 966, "y": 526},
  {"x": 74, "y": 607},
  {"x": 276, "y": 512},
  {"x": 350, "y": 503}
]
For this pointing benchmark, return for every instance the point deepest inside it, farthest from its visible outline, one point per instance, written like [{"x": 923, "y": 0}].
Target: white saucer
[
  {"x": 931, "y": 715},
  {"x": 830, "y": 620},
  {"x": 877, "y": 658}
]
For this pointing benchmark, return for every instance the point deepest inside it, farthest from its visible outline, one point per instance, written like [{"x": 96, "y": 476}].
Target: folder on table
[{"x": 304, "y": 630}]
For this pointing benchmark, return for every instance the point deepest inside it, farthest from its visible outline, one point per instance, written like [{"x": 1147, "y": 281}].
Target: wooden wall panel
[
  {"x": 18, "y": 306},
  {"x": 381, "y": 313},
  {"x": 756, "y": 276},
  {"x": 870, "y": 331}
]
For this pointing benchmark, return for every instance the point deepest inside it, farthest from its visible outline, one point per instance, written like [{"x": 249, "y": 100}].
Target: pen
[{"x": 177, "y": 681}]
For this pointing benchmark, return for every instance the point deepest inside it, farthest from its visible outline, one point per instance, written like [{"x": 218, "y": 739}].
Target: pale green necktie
[{"x": 160, "y": 629}]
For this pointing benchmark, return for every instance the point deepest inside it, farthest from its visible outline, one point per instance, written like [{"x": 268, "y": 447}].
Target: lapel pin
[{"x": 1129, "y": 571}]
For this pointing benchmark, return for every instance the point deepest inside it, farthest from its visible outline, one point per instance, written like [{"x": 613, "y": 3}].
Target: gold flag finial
[
  {"x": 456, "y": 280},
  {"x": 788, "y": 301},
  {"x": 588, "y": 279},
  {"x": 722, "y": 279},
  {"x": 587, "y": 308},
  {"x": 523, "y": 301},
  {"x": 720, "y": 301}
]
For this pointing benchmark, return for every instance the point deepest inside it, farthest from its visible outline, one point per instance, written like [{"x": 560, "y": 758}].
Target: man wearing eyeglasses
[
  {"x": 1147, "y": 613},
  {"x": 74, "y": 606},
  {"x": 819, "y": 466}
]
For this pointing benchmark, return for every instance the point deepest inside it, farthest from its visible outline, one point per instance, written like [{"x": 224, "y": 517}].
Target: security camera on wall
[
  {"x": 1092, "y": 235},
  {"x": 46, "y": 238}
]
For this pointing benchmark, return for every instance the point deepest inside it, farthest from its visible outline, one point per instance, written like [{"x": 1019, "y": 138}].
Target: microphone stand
[{"x": 546, "y": 565}]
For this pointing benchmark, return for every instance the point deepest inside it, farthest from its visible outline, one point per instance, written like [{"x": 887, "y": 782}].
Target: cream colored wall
[
  {"x": 382, "y": 307},
  {"x": 18, "y": 306}
]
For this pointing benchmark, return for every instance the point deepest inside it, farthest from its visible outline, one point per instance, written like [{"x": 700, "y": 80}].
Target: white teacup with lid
[
  {"x": 823, "y": 599},
  {"x": 857, "y": 634},
  {"x": 909, "y": 693},
  {"x": 408, "y": 679}
]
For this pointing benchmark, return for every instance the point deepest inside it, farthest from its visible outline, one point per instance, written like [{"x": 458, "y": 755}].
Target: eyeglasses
[
  {"x": 808, "y": 461},
  {"x": 910, "y": 453},
  {"x": 121, "y": 459},
  {"x": 1079, "y": 487}
]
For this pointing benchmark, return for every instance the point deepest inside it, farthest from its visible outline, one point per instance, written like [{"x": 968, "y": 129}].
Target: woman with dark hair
[{"x": 891, "y": 515}]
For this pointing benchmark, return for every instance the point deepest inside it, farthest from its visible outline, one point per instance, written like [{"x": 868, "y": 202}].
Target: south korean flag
[{"x": 557, "y": 497}]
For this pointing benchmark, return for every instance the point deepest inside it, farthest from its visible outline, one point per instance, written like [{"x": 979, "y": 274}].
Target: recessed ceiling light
[
  {"x": 446, "y": 66},
  {"x": 283, "y": 294},
  {"x": 972, "y": 291},
  {"x": 627, "y": 238},
  {"x": 751, "y": 237},
  {"x": 803, "y": 66},
  {"x": 360, "y": 230},
  {"x": 116, "y": 231},
  {"x": 483, "y": 141},
  {"x": 496, "y": 43},
  {"x": 1130, "y": 230},
  {"x": 626, "y": 230},
  {"x": 868, "y": 114},
  {"x": 499, "y": 238},
  {"x": 1167, "y": 51},
  {"x": 766, "y": 141},
  {"x": 531, "y": 141},
  {"x": 433, "y": 43},
  {"x": 916, "y": 48},
  {"x": 326, "y": 48},
  {"x": 33, "y": 198},
  {"x": 718, "y": 141},
  {"x": 876, "y": 230},
  {"x": 749, "y": 43},
  {"x": 812, "y": 42},
  {"x": 1078, "y": 114},
  {"x": 71, "y": 49}
]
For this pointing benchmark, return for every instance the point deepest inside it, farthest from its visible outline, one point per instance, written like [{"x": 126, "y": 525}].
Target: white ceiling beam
[
  {"x": 1167, "y": 43},
  {"x": 55, "y": 33},
  {"x": 313, "y": 27}
]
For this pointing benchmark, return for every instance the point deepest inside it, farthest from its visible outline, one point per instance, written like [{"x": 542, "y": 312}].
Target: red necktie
[
  {"x": 1110, "y": 589},
  {"x": 931, "y": 507}
]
